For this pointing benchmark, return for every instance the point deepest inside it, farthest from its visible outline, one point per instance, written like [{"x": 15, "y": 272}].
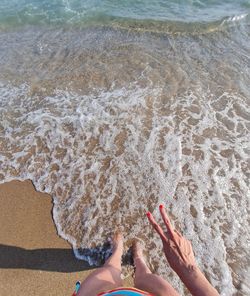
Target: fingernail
[
  {"x": 148, "y": 214},
  {"x": 161, "y": 206}
]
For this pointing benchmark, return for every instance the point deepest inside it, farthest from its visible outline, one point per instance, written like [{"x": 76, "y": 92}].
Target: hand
[
  {"x": 178, "y": 250},
  {"x": 180, "y": 256}
]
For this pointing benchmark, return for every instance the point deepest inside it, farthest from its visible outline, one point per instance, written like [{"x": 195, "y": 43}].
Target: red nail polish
[
  {"x": 148, "y": 214},
  {"x": 161, "y": 206}
]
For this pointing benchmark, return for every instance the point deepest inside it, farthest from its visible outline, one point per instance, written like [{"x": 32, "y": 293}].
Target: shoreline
[{"x": 34, "y": 260}]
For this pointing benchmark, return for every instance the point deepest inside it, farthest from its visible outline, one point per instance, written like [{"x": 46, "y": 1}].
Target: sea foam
[{"x": 108, "y": 158}]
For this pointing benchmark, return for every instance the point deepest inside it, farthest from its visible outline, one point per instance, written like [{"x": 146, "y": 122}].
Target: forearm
[
  {"x": 197, "y": 283},
  {"x": 180, "y": 256}
]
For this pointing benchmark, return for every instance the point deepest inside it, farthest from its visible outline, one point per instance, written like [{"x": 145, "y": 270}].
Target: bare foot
[
  {"x": 137, "y": 250},
  {"x": 117, "y": 242}
]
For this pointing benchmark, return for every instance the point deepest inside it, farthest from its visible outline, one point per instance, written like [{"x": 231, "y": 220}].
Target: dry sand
[{"x": 33, "y": 259}]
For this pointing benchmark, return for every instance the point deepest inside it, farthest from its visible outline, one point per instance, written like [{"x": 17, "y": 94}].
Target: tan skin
[{"x": 178, "y": 252}]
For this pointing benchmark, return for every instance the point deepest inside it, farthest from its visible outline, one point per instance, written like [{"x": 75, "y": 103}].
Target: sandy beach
[{"x": 33, "y": 259}]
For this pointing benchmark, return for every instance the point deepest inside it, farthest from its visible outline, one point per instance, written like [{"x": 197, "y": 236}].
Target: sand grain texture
[{"x": 33, "y": 259}]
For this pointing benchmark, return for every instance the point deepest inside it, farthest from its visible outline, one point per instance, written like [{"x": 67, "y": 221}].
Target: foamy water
[{"x": 107, "y": 159}]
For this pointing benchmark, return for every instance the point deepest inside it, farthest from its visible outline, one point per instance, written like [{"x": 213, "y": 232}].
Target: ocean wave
[
  {"x": 234, "y": 19},
  {"x": 168, "y": 17}
]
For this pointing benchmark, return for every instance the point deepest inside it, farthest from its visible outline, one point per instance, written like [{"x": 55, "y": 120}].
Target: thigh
[
  {"x": 155, "y": 284},
  {"x": 101, "y": 280}
]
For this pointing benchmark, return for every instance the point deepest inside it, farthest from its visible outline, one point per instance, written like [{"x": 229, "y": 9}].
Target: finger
[
  {"x": 156, "y": 226},
  {"x": 178, "y": 233},
  {"x": 167, "y": 221}
]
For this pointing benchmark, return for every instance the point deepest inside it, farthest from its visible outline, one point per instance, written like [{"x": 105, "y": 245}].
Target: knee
[
  {"x": 119, "y": 282},
  {"x": 115, "y": 275},
  {"x": 139, "y": 282}
]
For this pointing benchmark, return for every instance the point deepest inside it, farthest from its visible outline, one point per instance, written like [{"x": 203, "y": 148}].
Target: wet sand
[{"x": 33, "y": 259}]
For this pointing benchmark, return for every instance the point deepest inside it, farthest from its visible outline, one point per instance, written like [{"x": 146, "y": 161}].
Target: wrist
[
  {"x": 189, "y": 272},
  {"x": 196, "y": 282}
]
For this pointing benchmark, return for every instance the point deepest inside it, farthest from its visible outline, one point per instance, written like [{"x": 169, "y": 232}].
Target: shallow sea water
[{"x": 117, "y": 116}]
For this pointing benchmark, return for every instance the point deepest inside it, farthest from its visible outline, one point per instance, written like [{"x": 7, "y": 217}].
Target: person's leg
[
  {"x": 107, "y": 277},
  {"x": 145, "y": 280}
]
